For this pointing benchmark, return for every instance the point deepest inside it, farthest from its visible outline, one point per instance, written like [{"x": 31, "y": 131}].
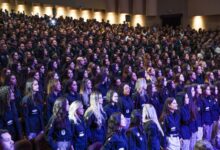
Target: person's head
[
  {"x": 141, "y": 85},
  {"x": 6, "y": 142},
  {"x": 186, "y": 99},
  {"x": 96, "y": 99},
  {"x": 198, "y": 89},
  {"x": 126, "y": 90},
  {"x": 207, "y": 90},
  {"x": 112, "y": 96},
  {"x": 116, "y": 122},
  {"x": 203, "y": 145},
  {"x": 31, "y": 87},
  {"x": 54, "y": 85},
  {"x": 85, "y": 85},
  {"x": 76, "y": 111},
  {"x": 12, "y": 80},
  {"x": 61, "y": 107},
  {"x": 136, "y": 118},
  {"x": 170, "y": 105},
  {"x": 72, "y": 86}
]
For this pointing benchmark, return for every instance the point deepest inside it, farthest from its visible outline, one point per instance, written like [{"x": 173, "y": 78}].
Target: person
[
  {"x": 206, "y": 112},
  {"x": 9, "y": 114},
  {"x": 140, "y": 95},
  {"x": 170, "y": 120},
  {"x": 58, "y": 131},
  {"x": 80, "y": 130},
  {"x": 135, "y": 135},
  {"x": 6, "y": 142},
  {"x": 32, "y": 107},
  {"x": 185, "y": 119},
  {"x": 71, "y": 92},
  {"x": 116, "y": 139},
  {"x": 112, "y": 105},
  {"x": 95, "y": 118},
  {"x": 126, "y": 104},
  {"x": 152, "y": 128},
  {"x": 85, "y": 91},
  {"x": 53, "y": 91}
]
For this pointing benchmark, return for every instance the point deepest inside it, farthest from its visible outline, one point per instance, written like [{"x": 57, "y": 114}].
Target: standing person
[
  {"x": 32, "y": 107},
  {"x": 80, "y": 130},
  {"x": 116, "y": 139},
  {"x": 185, "y": 116},
  {"x": 170, "y": 120},
  {"x": 58, "y": 131},
  {"x": 8, "y": 113},
  {"x": 126, "y": 104},
  {"x": 96, "y": 119},
  {"x": 206, "y": 112},
  {"x": 140, "y": 95},
  {"x": 154, "y": 132},
  {"x": 53, "y": 91},
  {"x": 135, "y": 135},
  {"x": 193, "y": 115},
  {"x": 112, "y": 106},
  {"x": 199, "y": 115},
  {"x": 72, "y": 93},
  {"x": 85, "y": 91}
]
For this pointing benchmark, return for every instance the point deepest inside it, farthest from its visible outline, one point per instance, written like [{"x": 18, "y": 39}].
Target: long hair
[
  {"x": 73, "y": 116},
  {"x": 4, "y": 99},
  {"x": 33, "y": 97},
  {"x": 59, "y": 112},
  {"x": 85, "y": 91},
  {"x": 192, "y": 105},
  {"x": 141, "y": 83},
  {"x": 96, "y": 108},
  {"x": 51, "y": 85},
  {"x": 149, "y": 113},
  {"x": 166, "y": 110},
  {"x": 114, "y": 123}
]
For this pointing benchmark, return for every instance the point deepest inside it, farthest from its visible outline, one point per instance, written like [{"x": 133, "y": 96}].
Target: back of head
[
  {"x": 23, "y": 145},
  {"x": 203, "y": 145}
]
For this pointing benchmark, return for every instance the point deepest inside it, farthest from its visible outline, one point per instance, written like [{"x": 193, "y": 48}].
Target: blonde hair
[
  {"x": 96, "y": 108},
  {"x": 73, "y": 116},
  {"x": 51, "y": 85},
  {"x": 149, "y": 113},
  {"x": 140, "y": 83}
]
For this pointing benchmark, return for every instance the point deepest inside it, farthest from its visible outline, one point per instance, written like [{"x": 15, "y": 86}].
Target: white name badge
[
  {"x": 127, "y": 111},
  {"x": 173, "y": 128},
  {"x": 63, "y": 132},
  {"x": 81, "y": 134},
  {"x": 10, "y": 122},
  {"x": 207, "y": 108}
]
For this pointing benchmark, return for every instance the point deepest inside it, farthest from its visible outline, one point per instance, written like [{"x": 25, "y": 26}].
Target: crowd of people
[{"x": 84, "y": 85}]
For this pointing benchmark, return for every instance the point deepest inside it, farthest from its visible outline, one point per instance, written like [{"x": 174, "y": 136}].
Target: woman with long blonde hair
[
  {"x": 152, "y": 127},
  {"x": 96, "y": 118},
  {"x": 80, "y": 130}
]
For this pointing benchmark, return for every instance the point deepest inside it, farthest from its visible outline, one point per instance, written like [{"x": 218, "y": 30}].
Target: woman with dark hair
[
  {"x": 112, "y": 105},
  {"x": 80, "y": 130},
  {"x": 96, "y": 119},
  {"x": 8, "y": 113},
  {"x": 102, "y": 84},
  {"x": 198, "y": 101},
  {"x": 71, "y": 91},
  {"x": 170, "y": 120},
  {"x": 185, "y": 119},
  {"x": 53, "y": 92},
  {"x": 153, "y": 98},
  {"x": 180, "y": 82},
  {"x": 32, "y": 107},
  {"x": 206, "y": 112},
  {"x": 162, "y": 89},
  {"x": 127, "y": 70},
  {"x": 193, "y": 115},
  {"x": 152, "y": 128},
  {"x": 58, "y": 131},
  {"x": 171, "y": 86},
  {"x": 116, "y": 139},
  {"x": 135, "y": 135}
]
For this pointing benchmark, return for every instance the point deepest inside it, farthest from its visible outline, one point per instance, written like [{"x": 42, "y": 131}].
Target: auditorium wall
[{"x": 197, "y": 13}]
